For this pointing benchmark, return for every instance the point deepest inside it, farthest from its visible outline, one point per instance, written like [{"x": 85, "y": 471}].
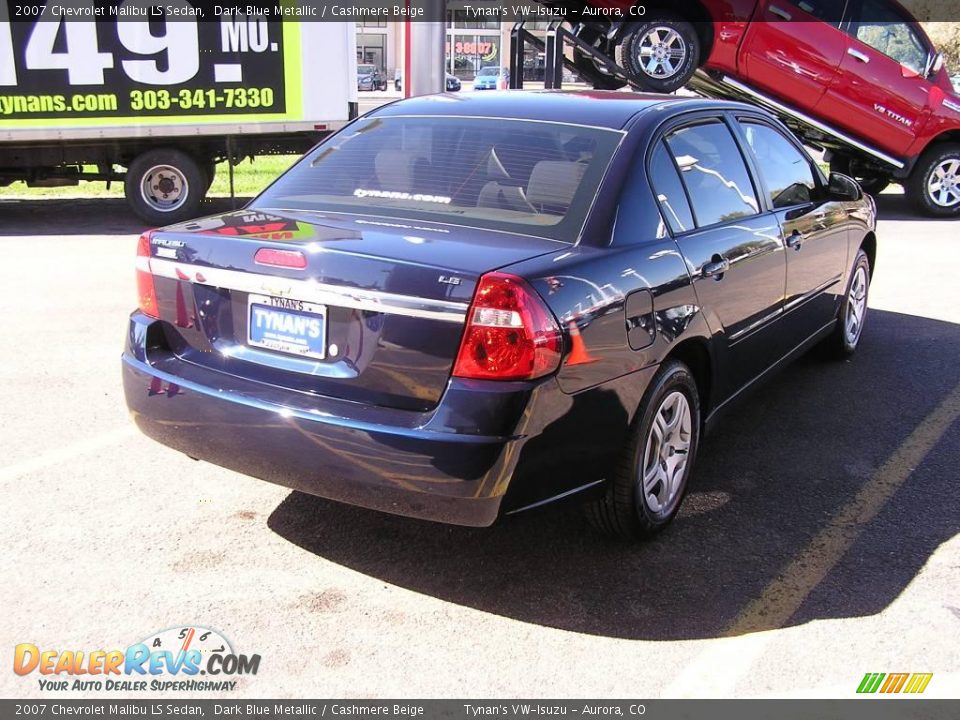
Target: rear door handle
[
  {"x": 716, "y": 268},
  {"x": 862, "y": 57},
  {"x": 781, "y": 13}
]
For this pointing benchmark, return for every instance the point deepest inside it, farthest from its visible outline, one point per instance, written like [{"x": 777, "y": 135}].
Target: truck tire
[
  {"x": 934, "y": 185},
  {"x": 662, "y": 54},
  {"x": 165, "y": 186}
]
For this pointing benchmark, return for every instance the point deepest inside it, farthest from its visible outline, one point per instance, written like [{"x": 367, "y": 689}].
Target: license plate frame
[{"x": 276, "y": 338}]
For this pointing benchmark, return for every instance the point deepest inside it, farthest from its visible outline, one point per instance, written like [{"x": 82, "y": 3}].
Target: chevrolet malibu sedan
[{"x": 462, "y": 307}]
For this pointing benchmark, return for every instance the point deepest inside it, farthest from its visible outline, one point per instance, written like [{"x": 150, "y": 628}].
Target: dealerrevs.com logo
[{"x": 183, "y": 659}]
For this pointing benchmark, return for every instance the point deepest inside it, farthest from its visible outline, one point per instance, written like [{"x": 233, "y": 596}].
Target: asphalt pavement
[{"x": 819, "y": 540}]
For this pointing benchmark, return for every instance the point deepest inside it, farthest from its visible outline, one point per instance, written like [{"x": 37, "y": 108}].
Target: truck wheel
[
  {"x": 590, "y": 70},
  {"x": 662, "y": 54},
  {"x": 165, "y": 186},
  {"x": 934, "y": 184}
]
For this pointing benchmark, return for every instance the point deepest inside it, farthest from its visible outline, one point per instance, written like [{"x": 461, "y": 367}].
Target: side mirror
[
  {"x": 842, "y": 187},
  {"x": 936, "y": 65}
]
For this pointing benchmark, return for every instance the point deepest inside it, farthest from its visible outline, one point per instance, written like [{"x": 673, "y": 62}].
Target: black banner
[{"x": 117, "y": 58}]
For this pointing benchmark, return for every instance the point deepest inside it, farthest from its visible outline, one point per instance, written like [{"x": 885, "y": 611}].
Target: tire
[
  {"x": 844, "y": 340},
  {"x": 669, "y": 34},
  {"x": 153, "y": 172},
  {"x": 938, "y": 167},
  {"x": 871, "y": 184},
  {"x": 589, "y": 70},
  {"x": 627, "y": 511}
]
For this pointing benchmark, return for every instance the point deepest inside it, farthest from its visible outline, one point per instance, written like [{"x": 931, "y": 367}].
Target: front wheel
[
  {"x": 934, "y": 184},
  {"x": 853, "y": 312},
  {"x": 661, "y": 55},
  {"x": 165, "y": 186},
  {"x": 650, "y": 480}
]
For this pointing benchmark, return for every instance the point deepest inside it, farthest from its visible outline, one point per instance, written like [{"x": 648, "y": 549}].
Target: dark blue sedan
[{"x": 461, "y": 307}]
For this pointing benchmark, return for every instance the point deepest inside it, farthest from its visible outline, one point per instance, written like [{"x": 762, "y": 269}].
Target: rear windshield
[
  {"x": 532, "y": 177},
  {"x": 489, "y": 71}
]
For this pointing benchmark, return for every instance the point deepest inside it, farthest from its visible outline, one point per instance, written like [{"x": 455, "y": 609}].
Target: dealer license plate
[{"x": 287, "y": 325}]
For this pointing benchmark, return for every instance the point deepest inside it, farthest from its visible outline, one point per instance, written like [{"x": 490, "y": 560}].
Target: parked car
[
  {"x": 492, "y": 78},
  {"x": 539, "y": 295},
  {"x": 451, "y": 83},
  {"x": 860, "y": 79},
  {"x": 370, "y": 77}
]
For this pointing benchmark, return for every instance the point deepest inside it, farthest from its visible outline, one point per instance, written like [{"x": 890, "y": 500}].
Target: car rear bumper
[{"x": 453, "y": 464}]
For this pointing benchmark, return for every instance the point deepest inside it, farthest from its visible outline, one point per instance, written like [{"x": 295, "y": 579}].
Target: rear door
[
  {"x": 733, "y": 251},
  {"x": 815, "y": 231},
  {"x": 880, "y": 92},
  {"x": 793, "y": 49}
]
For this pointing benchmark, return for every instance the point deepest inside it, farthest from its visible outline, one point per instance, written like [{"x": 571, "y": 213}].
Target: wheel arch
[
  {"x": 695, "y": 353},
  {"x": 869, "y": 246}
]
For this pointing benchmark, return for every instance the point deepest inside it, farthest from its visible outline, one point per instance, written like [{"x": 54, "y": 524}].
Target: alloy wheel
[
  {"x": 943, "y": 186},
  {"x": 661, "y": 52},
  {"x": 666, "y": 452},
  {"x": 856, "y": 307}
]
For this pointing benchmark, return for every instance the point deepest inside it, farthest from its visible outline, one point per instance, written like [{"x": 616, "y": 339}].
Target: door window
[
  {"x": 827, "y": 10},
  {"x": 786, "y": 171},
  {"x": 713, "y": 172},
  {"x": 886, "y": 31},
  {"x": 666, "y": 184}
]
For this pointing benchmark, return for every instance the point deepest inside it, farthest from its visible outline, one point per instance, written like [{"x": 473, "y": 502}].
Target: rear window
[{"x": 532, "y": 177}]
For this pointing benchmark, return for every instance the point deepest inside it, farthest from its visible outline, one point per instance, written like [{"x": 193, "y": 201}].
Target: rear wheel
[
  {"x": 165, "y": 186},
  {"x": 650, "y": 480},
  {"x": 934, "y": 184},
  {"x": 662, "y": 54}
]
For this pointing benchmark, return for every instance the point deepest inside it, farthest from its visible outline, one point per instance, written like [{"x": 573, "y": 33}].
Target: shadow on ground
[
  {"x": 768, "y": 480},
  {"x": 94, "y": 216}
]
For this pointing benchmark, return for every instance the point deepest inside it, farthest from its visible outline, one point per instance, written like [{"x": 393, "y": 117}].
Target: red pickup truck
[{"x": 859, "y": 79}]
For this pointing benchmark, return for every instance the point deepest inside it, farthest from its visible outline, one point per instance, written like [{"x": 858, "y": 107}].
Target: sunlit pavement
[{"x": 819, "y": 541}]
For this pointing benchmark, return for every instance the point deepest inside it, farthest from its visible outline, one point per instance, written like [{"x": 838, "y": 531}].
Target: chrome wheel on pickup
[
  {"x": 934, "y": 184},
  {"x": 661, "y": 55}
]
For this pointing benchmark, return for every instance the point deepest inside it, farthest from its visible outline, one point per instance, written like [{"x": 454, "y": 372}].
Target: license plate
[{"x": 288, "y": 326}]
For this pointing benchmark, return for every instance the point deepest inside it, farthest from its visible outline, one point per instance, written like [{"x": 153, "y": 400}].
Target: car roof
[{"x": 598, "y": 108}]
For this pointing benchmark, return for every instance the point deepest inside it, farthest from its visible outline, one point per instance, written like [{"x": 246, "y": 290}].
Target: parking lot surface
[{"x": 819, "y": 540}]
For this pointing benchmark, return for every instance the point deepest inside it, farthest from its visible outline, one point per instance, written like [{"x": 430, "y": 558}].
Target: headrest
[{"x": 554, "y": 183}]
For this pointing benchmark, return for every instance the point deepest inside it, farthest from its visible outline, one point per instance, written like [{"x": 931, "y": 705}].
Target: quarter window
[
  {"x": 883, "y": 29},
  {"x": 786, "y": 170},
  {"x": 713, "y": 172},
  {"x": 666, "y": 184}
]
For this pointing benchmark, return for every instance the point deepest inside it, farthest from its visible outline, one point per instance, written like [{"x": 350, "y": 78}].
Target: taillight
[
  {"x": 511, "y": 333},
  {"x": 145, "y": 287},
  {"x": 280, "y": 258}
]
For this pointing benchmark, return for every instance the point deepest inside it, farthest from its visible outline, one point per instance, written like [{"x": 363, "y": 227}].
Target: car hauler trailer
[{"x": 155, "y": 101}]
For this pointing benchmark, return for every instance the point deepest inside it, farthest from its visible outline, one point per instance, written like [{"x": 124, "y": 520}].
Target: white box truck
[{"x": 155, "y": 94}]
